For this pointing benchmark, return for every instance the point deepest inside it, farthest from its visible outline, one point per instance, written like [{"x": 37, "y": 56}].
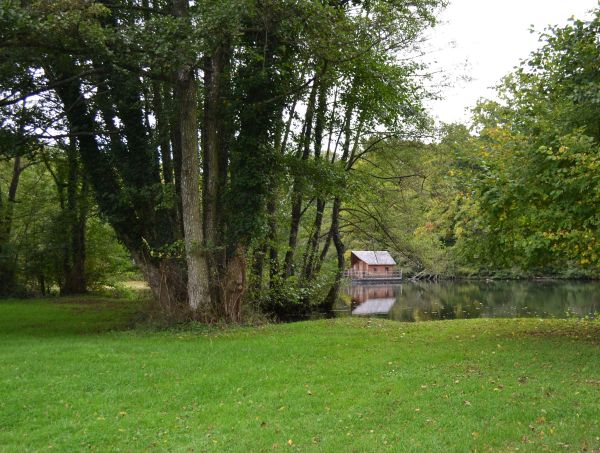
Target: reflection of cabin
[
  {"x": 372, "y": 300},
  {"x": 362, "y": 293},
  {"x": 373, "y": 265}
]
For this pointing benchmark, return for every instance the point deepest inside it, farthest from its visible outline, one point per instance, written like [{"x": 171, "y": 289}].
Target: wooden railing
[{"x": 359, "y": 275}]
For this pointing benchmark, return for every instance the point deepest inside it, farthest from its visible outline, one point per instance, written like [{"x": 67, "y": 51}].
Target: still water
[{"x": 423, "y": 301}]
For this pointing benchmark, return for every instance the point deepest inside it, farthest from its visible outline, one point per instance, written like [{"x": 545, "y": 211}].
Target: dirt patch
[{"x": 136, "y": 284}]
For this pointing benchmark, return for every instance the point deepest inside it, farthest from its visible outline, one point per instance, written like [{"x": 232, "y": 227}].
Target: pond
[{"x": 423, "y": 301}]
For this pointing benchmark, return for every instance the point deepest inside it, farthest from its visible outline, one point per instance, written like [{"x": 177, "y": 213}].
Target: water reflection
[
  {"x": 454, "y": 300},
  {"x": 373, "y": 299}
]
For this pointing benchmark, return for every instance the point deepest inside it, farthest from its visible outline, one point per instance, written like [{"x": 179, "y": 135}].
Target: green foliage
[
  {"x": 294, "y": 299},
  {"x": 317, "y": 177},
  {"x": 399, "y": 201},
  {"x": 38, "y": 237},
  {"x": 107, "y": 262},
  {"x": 533, "y": 190}
]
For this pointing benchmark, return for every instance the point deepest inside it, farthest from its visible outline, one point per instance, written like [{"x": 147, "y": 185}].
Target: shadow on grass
[
  {"x": 83, "y": 315},
  {"x": 572, "y": 329}
]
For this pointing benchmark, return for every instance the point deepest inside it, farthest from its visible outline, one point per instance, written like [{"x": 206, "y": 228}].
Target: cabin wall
[
  {"x": 381, "y": 269},
  {"x": 374, "y": 269},
  {"x": 360, "y": 266}
]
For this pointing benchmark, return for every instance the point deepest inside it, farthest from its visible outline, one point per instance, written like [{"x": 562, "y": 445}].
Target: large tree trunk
[
  {"x": 198, "y": 285},
  {"x": 166, "y": 278},
  {"x": 234, "y": 286},
  {"x": 199, "y": 297},
  {"x": 125, "y": 216},
  {"x": 215, "y": 150}
]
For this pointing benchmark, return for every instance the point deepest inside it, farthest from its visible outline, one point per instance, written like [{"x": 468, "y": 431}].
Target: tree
[
  {"x": 121, "y": 80},
  {"x": 536, "y": 193}
]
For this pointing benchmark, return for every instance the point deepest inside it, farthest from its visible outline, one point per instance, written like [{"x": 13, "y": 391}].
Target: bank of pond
[{"x": 423, "y": 301}]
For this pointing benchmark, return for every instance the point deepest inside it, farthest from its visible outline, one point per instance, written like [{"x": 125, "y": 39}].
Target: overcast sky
[{"x": 484, "y": 40}]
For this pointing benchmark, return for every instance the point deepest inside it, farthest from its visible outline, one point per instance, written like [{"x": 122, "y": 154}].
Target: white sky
[{"x": 484, "y": 40}]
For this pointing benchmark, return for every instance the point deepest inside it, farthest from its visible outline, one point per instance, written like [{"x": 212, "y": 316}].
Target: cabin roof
[{"x": 382, "y": 257}]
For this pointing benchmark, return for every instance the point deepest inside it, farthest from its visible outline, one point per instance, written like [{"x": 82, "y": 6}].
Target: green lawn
[{"x": 72, "y": 379}]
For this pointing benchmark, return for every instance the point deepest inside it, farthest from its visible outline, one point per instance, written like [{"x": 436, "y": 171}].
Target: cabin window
[{"x": 387, "y": 269}]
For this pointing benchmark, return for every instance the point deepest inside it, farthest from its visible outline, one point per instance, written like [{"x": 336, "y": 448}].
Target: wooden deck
[{"x": 373, "y": 277}]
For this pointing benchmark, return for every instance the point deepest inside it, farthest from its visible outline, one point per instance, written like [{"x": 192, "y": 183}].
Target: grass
[{"x": 72, "y": 378}]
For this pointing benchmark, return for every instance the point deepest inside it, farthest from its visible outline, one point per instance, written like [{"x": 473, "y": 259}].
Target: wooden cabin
[{"x": 372, "y": 264}]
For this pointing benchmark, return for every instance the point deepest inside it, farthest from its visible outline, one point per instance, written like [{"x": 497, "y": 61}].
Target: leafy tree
[
  {"x": 536, "y": 194},
  {"x": 261, "y": 87}
]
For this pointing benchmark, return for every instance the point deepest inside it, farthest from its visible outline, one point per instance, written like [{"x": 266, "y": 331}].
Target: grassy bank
[{"x": 72, "y": 379}]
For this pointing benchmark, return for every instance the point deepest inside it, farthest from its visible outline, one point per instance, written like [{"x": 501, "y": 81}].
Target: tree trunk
[
  {"x": 198, "y": 285},
  {"x": 334, "y": 231},
  {"x": 175, "y": 136},
  {"x": 258, "y": 267},
  {"x": 132, "y": 229},
  {"x": 234, "y": 286},
  {"x": 281, "y": 145},
  {"x": 346, "y": 130},
  {"x": 199, "y": 297},
  {"x": 313, "y": 242},
  {"x": 340, "y": 249},
  {"x": 215, "y": 150},
  {"x": 7, "y": 265},
  {"x": 162, "y": 132},
  {"x": 297, "y": 189},
  {"x": 166, "y": 278},
  {"x": 76, "y": 216}
]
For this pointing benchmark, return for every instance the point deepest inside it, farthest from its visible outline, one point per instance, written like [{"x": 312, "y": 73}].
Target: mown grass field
[{"x": 75, "y": 376}]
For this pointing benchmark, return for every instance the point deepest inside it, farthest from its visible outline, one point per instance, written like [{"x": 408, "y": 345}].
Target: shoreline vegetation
[{"x": 92, "y": 381}]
